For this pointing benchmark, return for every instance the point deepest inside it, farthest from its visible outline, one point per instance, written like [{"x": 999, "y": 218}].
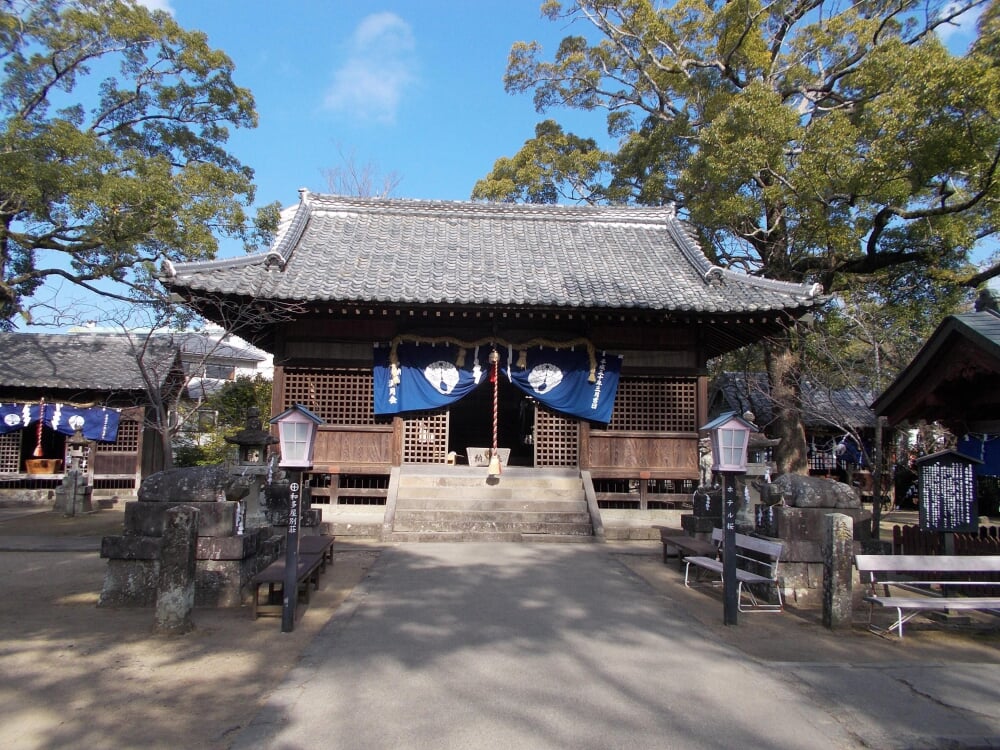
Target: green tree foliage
[
  {"x": 808, "y": 141},
  {"x": 113, "y": 125},
  {"x": 230, "y": 406}
]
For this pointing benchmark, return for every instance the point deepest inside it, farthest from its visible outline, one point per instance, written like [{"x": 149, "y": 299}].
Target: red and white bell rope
[{"x": 494, "y": 469}]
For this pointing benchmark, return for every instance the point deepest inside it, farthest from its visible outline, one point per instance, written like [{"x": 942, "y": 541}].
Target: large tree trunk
[{"x": 782, "y": 359}]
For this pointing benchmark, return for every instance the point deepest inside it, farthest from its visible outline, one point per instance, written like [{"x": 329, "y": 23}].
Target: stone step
[
  {"x": 466, "y": 536},
  {"x": 423, "y": 524},
  {"x": 352, "y": 529},
  {"x": 526, "y": 494},
  {"x": 438, "y": 515},
  {"x": 471, "y": 503},
  {"x": 461, "y": 478},
  {"x": 453, "y": 536},
  {"x": 559, "y": 538},
  {"x": 460, "y": 503}
]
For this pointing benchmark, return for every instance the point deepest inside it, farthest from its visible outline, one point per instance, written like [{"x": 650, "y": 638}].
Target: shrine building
[{"x": 391, "y": 319}]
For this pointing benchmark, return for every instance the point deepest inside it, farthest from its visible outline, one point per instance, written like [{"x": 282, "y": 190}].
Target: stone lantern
[
  {"x": 252, "y": 440},
  {"x": 252, "y": 467}
]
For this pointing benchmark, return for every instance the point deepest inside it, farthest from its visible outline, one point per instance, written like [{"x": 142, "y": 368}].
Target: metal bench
[
  {"x": 937, "y": 583},
  {"x": 751, "y": 554}
]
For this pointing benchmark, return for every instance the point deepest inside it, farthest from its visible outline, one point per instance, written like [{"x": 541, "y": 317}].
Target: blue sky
[{"x": 412, "y": 87}]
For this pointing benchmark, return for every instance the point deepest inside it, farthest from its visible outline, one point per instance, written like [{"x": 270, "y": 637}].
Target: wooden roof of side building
[
  {"x": 413, "y": 252},
  {"x": 953, "y": 378}
]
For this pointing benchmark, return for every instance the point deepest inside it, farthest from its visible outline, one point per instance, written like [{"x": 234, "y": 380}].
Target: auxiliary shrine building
[{"x": 423, "y": 332}]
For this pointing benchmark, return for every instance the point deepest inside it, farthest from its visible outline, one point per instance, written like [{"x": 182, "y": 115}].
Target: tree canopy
[
  {"x": 806, "y": 140},
  {"x": 113, "y": 125}
]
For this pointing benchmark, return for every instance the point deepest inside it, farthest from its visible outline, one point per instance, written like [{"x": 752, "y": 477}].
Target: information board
[{"x": 948, "y": 493}]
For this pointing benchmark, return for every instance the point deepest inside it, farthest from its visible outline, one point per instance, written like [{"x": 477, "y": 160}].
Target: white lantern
[
  {"x": 297, "y": 436},
  {"x": 730, "y": 436}
]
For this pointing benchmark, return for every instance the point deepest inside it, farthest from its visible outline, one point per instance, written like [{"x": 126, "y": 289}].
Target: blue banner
[
  {"x": 575, "y": 381},
  {"x": 426, "y": 376},
  {"x": 561, "y": 380},
  {"x": 96, "y": 423}
]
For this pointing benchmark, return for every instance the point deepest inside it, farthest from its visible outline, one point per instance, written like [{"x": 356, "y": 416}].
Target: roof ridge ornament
[{"x": 274, "y": 258}]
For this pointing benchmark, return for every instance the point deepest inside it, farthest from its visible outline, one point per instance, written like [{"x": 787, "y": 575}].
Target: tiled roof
[
  {"x": 200, "y": 345},
  {"x": 363, "y": 250},
  {"x": 79, "y": 361},
  {"x": 983, "y": 327},
  {"x": 913, "y": 394},
  {"x": 821, "y": 408}
]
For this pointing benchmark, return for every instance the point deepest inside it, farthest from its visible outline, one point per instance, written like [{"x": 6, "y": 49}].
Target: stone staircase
[{"x": 460, "y": 503}]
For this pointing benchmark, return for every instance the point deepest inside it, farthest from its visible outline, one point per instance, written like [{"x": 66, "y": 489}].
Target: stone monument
[
  {"x": 793, "y": 510},
  {"x": 228, "y": 554}
]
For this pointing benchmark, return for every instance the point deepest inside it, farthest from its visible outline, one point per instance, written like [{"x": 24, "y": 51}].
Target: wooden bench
[
  {"x": 751, "y": 554},
  {"x": 321, "y": 544},
  {"x": 273, "y": 577},
  {"x": 684, "y": 544},
  {"x": 937, "y": 583}
]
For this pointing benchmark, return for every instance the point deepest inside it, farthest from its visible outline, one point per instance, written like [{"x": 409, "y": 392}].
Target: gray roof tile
[
  {"x": 94, "y": 362},
  {"x": 334, "y": 248}
]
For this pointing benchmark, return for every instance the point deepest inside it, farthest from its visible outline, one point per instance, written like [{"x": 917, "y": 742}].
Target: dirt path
[{"x": 75, "y": 675}]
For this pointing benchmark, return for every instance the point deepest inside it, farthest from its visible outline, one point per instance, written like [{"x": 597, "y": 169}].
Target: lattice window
[
  {"x": 656, "y": 405},
  {"x": 557, "y": 439},
  {"x": 339, "y": 396},
  {"x": 425, "y": 438},
  {"x": 10, "y": 452},
  {"x": 127, "y": 440}
]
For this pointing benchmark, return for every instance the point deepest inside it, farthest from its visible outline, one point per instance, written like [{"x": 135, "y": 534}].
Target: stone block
[
  {"x": 693, "y": 524},
  {"x": 191, "y": 484},
  {"x": 176, "y": 576},
  {"x": 230, "y": 547},
  {"x": 707, "y": 504},
  {"x": 129, "y": 583},
  {"x": 806, "y": 524},
  {"x": 802, "y": 583},
  {"x": 146, "y": 518},
  {"x": 838, "y": 563},
  {"x": 131, "y": 547}
]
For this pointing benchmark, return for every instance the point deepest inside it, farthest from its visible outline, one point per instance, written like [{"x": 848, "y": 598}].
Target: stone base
[
  {"x": 223, "y": 571},
  {"x": 216, "y": 519},
  {"x": 696, "y": 525},
  {"x": 707, "y": 504},
  {"x": 218, "y": 583},
  {"x": 802, "y": 583},
  {"x": 129, "y": 583},
  {"x": 949, "y": 618},
  {"x": 800, "y": 530},
  {"x": 806, "y": 524},
  {"x": 70, "y": 503}
]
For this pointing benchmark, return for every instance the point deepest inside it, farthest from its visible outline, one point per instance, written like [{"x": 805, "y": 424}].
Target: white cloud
[
  {"x": 379, "y": 69},
  {"x": 158, "y": 5}
]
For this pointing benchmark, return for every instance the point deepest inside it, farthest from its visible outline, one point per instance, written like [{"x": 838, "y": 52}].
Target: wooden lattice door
[
  {"x": 557, "y": 439},
  {"x": 425, "y": 438},
  {"x": 10, "y": 452}
]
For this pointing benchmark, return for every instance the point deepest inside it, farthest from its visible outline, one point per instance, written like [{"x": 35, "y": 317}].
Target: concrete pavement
[{"x": 568, "y": 646}]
